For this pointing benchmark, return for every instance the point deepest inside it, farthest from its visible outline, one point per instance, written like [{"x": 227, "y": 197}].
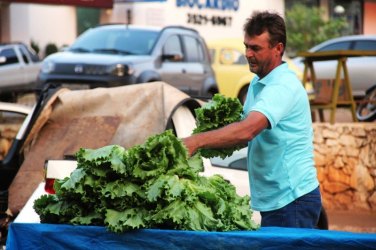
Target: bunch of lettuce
[
  {"x": 218, "y": 112},
  {"x": 153, "y": 185}
]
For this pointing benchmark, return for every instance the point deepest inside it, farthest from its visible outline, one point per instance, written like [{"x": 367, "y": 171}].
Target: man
[{"x": 278, "y": 129}]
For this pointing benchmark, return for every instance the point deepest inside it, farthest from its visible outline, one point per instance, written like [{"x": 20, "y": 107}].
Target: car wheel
[
  {"x": 243, "y": 94},
  {"x": 366, "y": 110},
  {"x": 212, "y": 92}
]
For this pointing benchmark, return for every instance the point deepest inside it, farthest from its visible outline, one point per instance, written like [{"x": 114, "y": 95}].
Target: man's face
[{"x": 262, "y": 58}]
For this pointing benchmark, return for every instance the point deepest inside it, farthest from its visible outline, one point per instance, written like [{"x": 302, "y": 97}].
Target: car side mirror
[{"x": 173, "y": 57}]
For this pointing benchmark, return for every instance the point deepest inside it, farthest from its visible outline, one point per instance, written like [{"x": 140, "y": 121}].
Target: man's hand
[
  {"x": 237, "y": 133},
  {"x": 189, "y": 143}
]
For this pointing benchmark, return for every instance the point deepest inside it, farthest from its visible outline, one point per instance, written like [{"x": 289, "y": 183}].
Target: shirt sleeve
[{"x": 274, "y": 101}]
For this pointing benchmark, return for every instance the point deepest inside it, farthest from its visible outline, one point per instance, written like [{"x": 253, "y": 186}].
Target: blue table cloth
[{"x": 47, "y": 236}]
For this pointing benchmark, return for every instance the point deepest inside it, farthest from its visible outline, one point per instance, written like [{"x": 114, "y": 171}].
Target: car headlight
[
  {"x": 48, "y": 67},
  {"x": 121, "y": 70}
]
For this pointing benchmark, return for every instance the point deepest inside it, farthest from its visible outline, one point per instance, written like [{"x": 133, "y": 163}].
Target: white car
[
  {"x": 12, "y": 117},
  {"x": 19, "y": 68},
  {"x": 361, "y": 69}
]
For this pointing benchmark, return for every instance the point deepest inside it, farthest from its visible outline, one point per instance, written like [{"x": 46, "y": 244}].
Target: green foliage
[
  {"x": 306, "y": 28},
  {"x": 153, "y": 185},
  {"x": 50, "y": 49},
  {"x": 217, "y": 113}
]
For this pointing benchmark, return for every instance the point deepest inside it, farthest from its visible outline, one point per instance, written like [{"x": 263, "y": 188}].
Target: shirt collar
[{"x": 273, "y": 74}]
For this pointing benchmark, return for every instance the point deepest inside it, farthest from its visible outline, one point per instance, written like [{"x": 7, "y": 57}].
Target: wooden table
[{"x": 341, "y": 57}]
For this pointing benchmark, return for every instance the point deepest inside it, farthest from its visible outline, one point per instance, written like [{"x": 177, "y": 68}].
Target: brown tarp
[{"x": 125, "y": 116}]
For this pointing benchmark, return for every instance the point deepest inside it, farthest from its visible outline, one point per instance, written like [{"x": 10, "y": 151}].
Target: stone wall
[{"x": 345, "y": 157}]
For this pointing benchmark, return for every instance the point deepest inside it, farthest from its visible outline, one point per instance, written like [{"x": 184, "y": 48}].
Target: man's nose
[{"x": 248, "y": 53}]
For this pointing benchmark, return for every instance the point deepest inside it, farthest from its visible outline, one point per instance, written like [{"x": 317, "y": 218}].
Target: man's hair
[{"x": 273, "y": 23}]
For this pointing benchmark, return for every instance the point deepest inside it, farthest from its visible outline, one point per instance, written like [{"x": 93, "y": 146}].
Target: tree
[
  {"x": 306, "y": 28},
  {"x": 50, "y": 49}
]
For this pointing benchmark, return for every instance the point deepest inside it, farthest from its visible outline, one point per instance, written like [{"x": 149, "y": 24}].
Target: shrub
[{"x": 50, "y": 49}]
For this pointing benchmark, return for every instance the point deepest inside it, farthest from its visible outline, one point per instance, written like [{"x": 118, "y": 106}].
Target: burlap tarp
[{"x": 125, "y": 116}]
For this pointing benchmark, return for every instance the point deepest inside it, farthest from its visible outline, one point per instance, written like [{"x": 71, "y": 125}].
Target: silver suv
[
  {"x": 19, "y": 68},
  {"x": 119, "y": 54}
]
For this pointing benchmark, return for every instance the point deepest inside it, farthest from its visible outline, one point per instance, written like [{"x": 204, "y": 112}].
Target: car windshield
[{"x": 118, "y": 41}]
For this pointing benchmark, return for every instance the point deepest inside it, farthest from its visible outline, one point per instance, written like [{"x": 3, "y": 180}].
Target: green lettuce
[
  {"x": 217, "y": 113},
  {"x": 153, "y": 185}
]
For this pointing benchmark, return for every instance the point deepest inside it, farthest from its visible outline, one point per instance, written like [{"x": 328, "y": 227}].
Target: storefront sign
[
  {"x": 209, "y": 4},
  {"x": 207, "y": 19},
  {"x": 200, "y": 19}
]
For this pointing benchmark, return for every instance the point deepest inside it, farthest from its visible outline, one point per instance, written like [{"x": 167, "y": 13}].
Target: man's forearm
[{"x": 238, "y": 133}]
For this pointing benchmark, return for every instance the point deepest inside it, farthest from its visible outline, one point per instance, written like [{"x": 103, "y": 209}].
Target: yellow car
[{"x": 231, "y": 67}]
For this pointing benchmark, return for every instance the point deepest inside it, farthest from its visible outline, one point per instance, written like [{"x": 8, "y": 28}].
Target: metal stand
[{"x": 334, "y": 100}]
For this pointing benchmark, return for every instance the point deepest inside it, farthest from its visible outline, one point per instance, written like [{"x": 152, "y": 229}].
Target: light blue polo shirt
[{"x": 280, "y": 159}]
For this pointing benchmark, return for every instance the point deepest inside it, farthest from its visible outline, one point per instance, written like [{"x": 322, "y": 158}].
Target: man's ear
[{"x": 280, "y": 48}]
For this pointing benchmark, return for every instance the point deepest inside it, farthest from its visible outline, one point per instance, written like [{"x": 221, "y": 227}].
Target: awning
[{"x": 82, "y": 3}]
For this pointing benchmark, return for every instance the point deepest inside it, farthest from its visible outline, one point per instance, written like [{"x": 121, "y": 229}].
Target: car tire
[
  {"x": 243, "y": 94},
  {"x": 366, "y": 110}
]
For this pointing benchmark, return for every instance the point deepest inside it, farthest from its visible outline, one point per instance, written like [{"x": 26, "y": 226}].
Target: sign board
[{"x": 214, "y": 19}]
